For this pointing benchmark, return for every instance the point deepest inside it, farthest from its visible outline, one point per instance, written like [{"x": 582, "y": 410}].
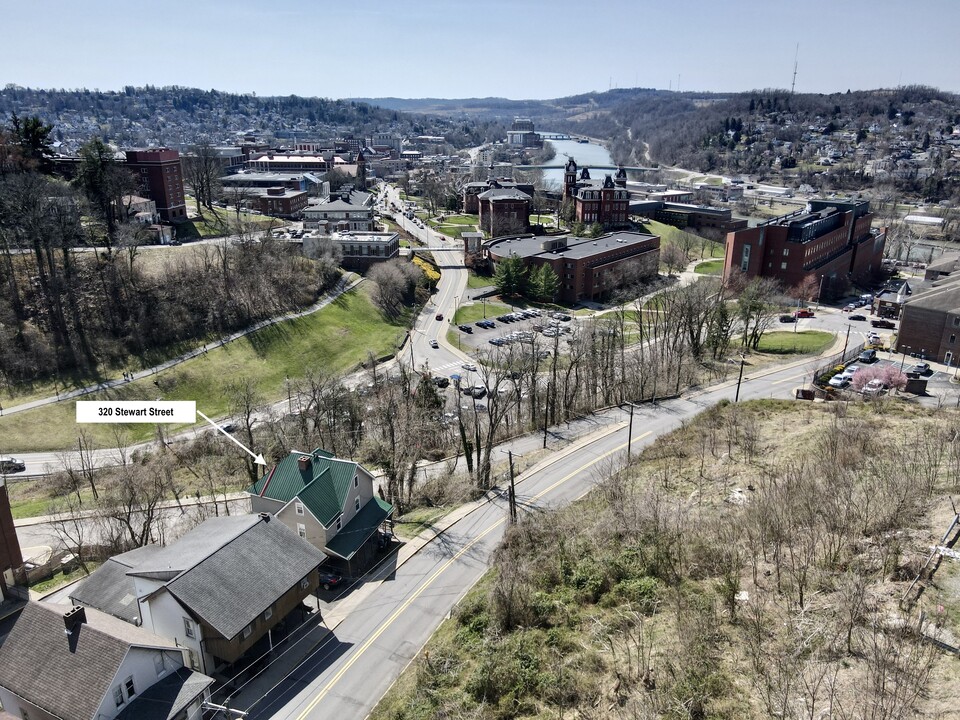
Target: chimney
[
  {"x": 73, "y": 617},
  {"x": 265, "y": 517},
  {"x": 303, "y": 462}
]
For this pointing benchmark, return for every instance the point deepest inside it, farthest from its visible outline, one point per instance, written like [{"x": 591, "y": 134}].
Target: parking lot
[{"x": 519, "y": 326}]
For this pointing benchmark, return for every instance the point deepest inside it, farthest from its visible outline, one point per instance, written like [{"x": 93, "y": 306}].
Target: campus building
[
  {"x": 829, "y": 242},
  {"x": 159, "y": 175},
  {"x": 606, "y": 201},
  {"x": 588, "y": 268}
]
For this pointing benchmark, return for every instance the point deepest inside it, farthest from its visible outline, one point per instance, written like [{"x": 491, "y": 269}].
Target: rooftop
[{"x": 576, "y": 247}]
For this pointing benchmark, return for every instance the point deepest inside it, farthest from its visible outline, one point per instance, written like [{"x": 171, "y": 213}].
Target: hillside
[{"x": 749, "y": 565}]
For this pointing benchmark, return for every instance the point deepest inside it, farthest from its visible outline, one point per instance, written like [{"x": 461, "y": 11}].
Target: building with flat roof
[
  {"x": 588, "y": 268},
  {"x": 278, "y": 201},
  {"x": 829, "y": 242},
  {"x": 159, "y": 175},
  {"x": 522, "y": 134},
  {"x": 930, "y": 321}
]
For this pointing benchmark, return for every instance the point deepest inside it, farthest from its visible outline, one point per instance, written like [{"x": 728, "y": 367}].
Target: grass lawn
[
  {"x": 338, "y": 338},
  {"x": 60, "y": 579},
  {"x": 475, "y": 281},
  {"x": 468, "y": 220},
  {"x": 785, "y": 342},
  {"x": 222, "y": 221},
  {"x": 669, "y": 235},
  {"x": 704, "y": 180},
  {"x": 418, "y": 520},
  {"x": 710, "y": 267},
  {"x": 472, "y": 313}
]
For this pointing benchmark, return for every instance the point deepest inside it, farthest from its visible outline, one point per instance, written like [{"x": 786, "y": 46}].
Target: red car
[{"x": 804, "y": 313}]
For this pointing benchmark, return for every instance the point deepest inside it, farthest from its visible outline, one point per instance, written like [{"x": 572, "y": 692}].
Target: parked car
[
  {"x": 478, "y": 391},
  {"x": 858, "y": 316},
  {"x": 839, "y": 381},
  {"x": 921, "y": 368},
  {"x": 874, "y": 387},
  {"x": 883, "y": 323},
  {"x": 804, "y": 313},
  {"x": 434, "y": 344},
  {"x": 11, "y": 465},
  {"x": 441, "y": 382},
  {"x": 787, "y": 319},
  {"x": 329, "y": 580},
  {"x": 466, "y": 329},
  {"x": 868, "y": 356},
  {"x": 850, "y": 307},
  {"x": 439, "y": 316}
]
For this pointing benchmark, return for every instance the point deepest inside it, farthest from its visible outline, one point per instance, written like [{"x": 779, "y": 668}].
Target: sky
[{"x": 455, "y": 49}]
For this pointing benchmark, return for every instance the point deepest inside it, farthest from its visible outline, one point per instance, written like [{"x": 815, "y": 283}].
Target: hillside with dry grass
[{"x": 752, "y": 564}]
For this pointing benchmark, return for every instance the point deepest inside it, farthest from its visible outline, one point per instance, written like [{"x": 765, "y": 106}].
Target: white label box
[{"x": 137, "y": 411}]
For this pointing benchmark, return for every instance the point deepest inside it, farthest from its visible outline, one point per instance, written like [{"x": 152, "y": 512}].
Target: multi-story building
[
  {"x": 930, "y": 321},
  {"x": 359, "y": 250},
  {"x": 471, "y": 191},
  {"x": 159, "y": 174},
  {"x": 338, "y": 216},
  {"x": 11, "y": 559},
  {"x": 830, "y": 242},
  {"x": 279, "y": 201},
  {"x": 606, "y": 201},
  {"x": 522, "y": 134},
  {"x": 503, "y": 211},
  {"x": 588, "y": 268},
  {"x": 292, "y": 162}
]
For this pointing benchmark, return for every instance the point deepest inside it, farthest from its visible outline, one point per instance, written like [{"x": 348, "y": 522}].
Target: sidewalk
[{"x": 339, "y": 289}]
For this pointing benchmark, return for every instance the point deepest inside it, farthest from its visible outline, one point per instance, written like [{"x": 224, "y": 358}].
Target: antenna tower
[{"x": 796, "y": 57}]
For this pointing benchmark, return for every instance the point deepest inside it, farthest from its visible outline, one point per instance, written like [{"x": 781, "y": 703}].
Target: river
[{"x": 585, "y": 154}]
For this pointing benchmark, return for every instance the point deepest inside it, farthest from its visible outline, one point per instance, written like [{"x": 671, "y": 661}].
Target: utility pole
[
  {"x": 630, "y": 433},
  {"x": 796, "y": 58},
  {"x": 736, "y": 397},
  {"x": 512, "y": 496},
  {"x": 546, "y": 415},
  {"x": 846, "y": 340}
]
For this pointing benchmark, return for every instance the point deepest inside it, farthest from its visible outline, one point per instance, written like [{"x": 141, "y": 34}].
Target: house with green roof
[{"x": 327, "y": 501}]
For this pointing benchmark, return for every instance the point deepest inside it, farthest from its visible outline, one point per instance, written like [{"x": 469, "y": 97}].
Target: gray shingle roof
[
  {"x": 164, "y": 699},
  {"x": 244, "y": 577},
  {"x": 68, "y": 676},
  {"x": 110, "y": 590},
  {"x": 503, "y": 194}
]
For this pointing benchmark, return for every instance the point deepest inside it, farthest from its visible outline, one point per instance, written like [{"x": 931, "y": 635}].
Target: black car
[
  {"x": 11, "y": 465},
  {"x": 857, "y": 316},
  {"x": 787, "y": 319},
  {"x": 441, "y": 382},
  {"x": 329, "y": 580},
  {"x": 465, "y": 328},
  {"x": 883, "y": 323}
]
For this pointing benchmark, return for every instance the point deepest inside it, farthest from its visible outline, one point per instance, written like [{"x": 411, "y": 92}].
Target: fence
[{"x": 838, "y": 359}]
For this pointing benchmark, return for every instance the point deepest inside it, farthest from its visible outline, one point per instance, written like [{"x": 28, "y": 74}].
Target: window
[
  {"x": 194, "y": 660},
  {"x": 304, "y": 584},
  {"x": 299, "y": 508},
  {"x": 952, "y": 338},
  {"x": 356, "y": 481},
  {"x": 302, "y": 530},
  {"x": 128, "y": 684},
  {"x": 339, "y": 523},
  {"x": 356, "y": 504},
  {"x": 786, "y": 251},
  {"x": 118, "y": 696},
  {"x": 268, "y": 613},
  {"x": 247, "y": 631},
  {"x": 158, "y": 664},
  {"x": 745, "y": 259},
  {"x": 188, "y": 627},
  {"x": 783, "y": 266}
]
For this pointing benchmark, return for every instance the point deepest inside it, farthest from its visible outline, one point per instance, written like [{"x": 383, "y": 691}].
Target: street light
[
  {"x": 904, "y": 359},
  {"x": 736, "y": 397},
  {"x": 820, "y": 291},
  {"x": 512, "y": 492}
]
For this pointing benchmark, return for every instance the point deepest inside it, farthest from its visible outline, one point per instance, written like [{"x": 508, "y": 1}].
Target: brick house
[
  {"x": 279, "y": 201},
  {"x": 831, "y": 241},
  {"x": 503, "y": 210},
  {"x": 606, "y": 201},
  {"x": 930, "y": 322},
  {"x": 588, "y": 268}
]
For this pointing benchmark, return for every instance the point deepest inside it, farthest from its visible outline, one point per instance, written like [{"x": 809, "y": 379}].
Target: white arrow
[{"x": 258, "y": 459}]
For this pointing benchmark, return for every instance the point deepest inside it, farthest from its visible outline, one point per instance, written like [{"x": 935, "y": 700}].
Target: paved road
[{"x": 357, "y": 663}]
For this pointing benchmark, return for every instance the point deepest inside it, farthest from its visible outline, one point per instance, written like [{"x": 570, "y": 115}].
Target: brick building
[
  {"x": 503, "y": 211},
  {"x": 930, "y": 322},
  {"x": 160, "y": 177},
  {"x": 522, "y": 134},
  {"x": 830, "y": 241},
  {"x": 588, "y": 269},
  {"x": 597, "y": 201},
  {"x": 279, "y": 201},
  {"x": 11, "y": 559},
  {"x": 471, "y": 191}
]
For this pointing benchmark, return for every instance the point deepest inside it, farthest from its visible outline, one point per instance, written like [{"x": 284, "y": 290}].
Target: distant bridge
[{"x": 579, "y": 167}]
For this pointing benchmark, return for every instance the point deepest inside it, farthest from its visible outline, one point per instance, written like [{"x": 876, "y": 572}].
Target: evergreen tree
[
  {"x": 510, "y": 277},
  {"x": 544, "y": 283}
]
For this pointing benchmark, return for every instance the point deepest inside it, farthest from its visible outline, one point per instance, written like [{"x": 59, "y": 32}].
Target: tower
[{"x": 569, "y": 178}]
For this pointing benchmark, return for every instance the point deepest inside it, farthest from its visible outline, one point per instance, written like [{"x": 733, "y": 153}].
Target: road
[{"x": 352, "y": 668}]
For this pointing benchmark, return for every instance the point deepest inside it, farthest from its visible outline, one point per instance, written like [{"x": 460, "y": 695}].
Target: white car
[
  {"x": 874, "y": 387},
  {"x": 469, "y": 367}
]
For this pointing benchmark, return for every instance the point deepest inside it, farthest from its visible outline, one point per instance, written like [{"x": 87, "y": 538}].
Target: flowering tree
[{"x": 890, "y": 376}]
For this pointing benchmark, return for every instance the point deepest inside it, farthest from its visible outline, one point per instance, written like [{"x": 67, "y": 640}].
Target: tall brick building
[
  {"x": 830, "y": 241},
  {"x": 160, "y": 175},
  {"x": 606, "y": 201},
  {"x": 11, "y": 559}
]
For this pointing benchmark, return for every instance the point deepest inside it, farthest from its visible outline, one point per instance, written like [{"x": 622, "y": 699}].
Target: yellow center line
[{"x": 443, "y": 568}]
